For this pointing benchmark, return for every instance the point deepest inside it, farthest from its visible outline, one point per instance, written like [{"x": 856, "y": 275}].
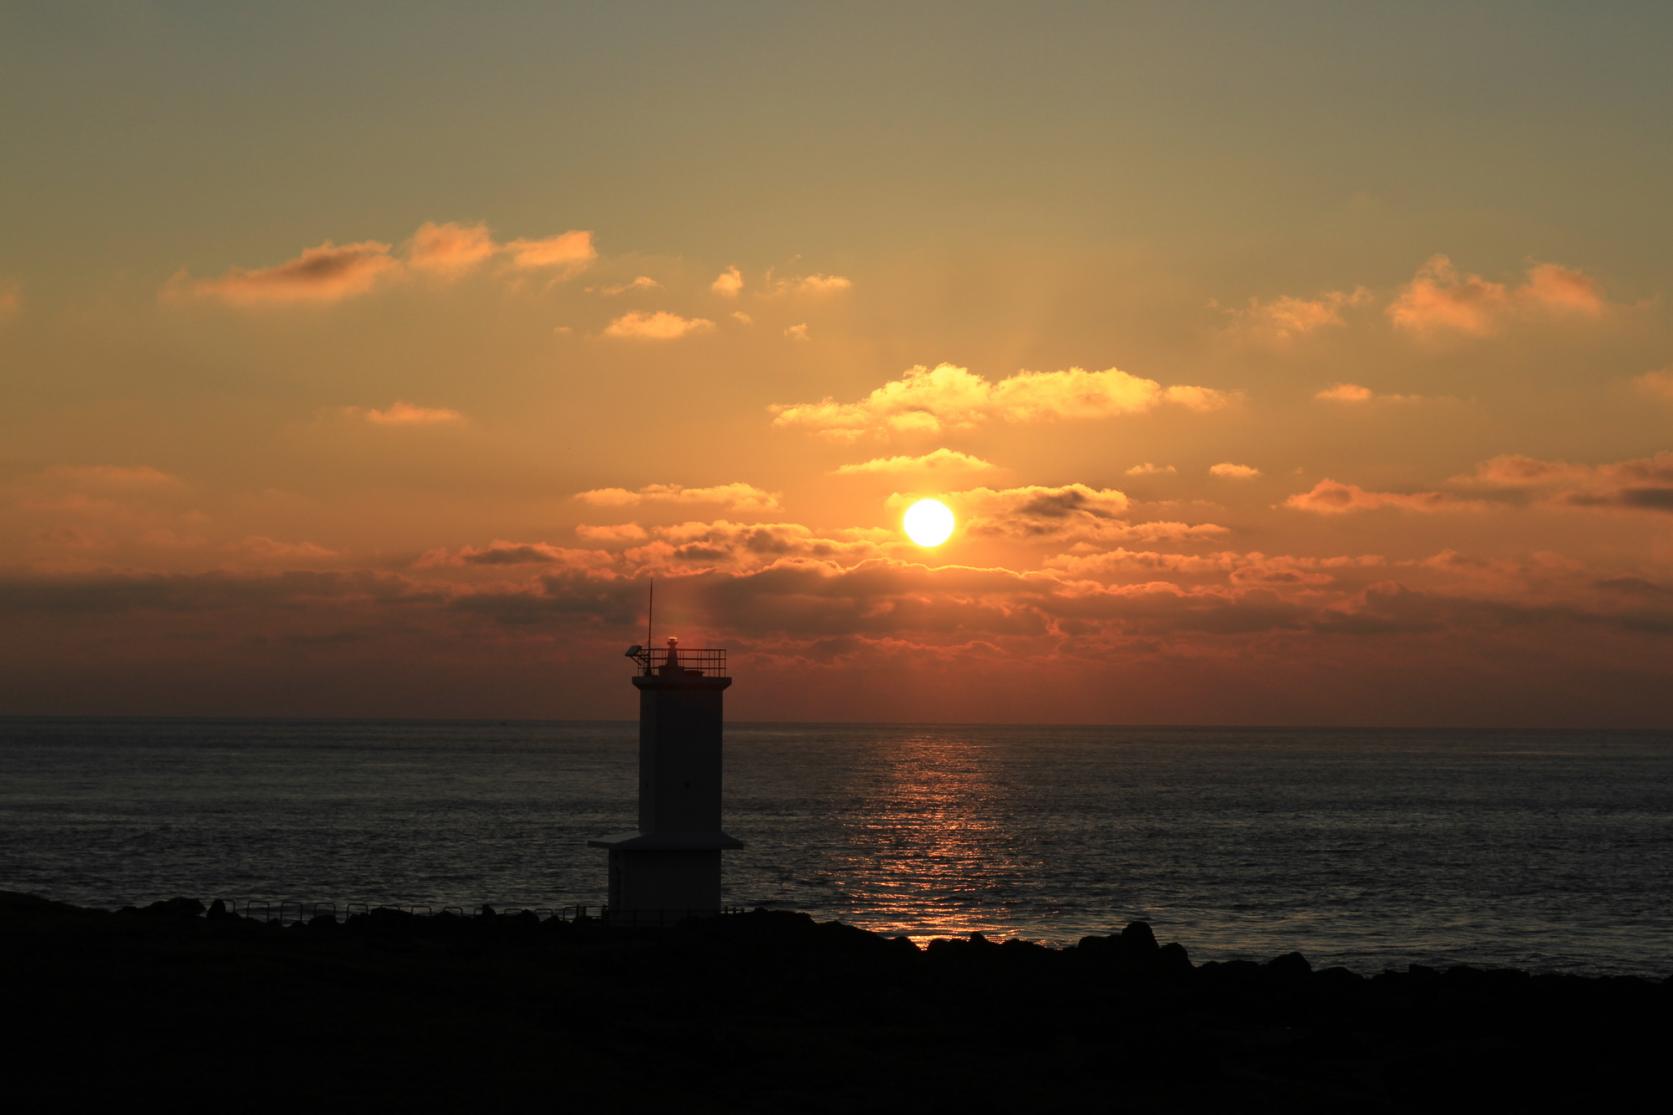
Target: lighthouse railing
[{"x": 706, "y": 662}]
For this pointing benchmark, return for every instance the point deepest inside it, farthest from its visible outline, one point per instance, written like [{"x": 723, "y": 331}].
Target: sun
[{"x": 928, "y": 522}]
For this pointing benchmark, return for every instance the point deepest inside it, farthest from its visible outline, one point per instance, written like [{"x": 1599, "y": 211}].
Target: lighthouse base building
[{"x": 671, "y": 867}]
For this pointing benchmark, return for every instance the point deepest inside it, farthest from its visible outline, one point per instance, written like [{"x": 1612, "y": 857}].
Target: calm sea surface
[{"x": 1372, "y": 849}]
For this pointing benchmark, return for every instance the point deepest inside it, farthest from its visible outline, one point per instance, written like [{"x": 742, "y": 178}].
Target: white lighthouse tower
[{"x": 670, "y": 868}]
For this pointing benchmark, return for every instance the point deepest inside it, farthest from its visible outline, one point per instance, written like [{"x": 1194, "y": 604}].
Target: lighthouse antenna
[{"x": 650, "y": 613}]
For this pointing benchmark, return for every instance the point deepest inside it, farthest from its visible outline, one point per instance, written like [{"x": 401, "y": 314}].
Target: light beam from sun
[{"x": 929, "y": 522}]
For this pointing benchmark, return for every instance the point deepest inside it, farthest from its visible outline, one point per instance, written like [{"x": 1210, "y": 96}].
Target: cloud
[
  {"x": 502, "y": 552},
  {"x": 742, "y": 318},
  {"x": 1512, "y": 480},
  {"x": 939, "y": 462},
  {"x": 450, "y": 249},
  {"x": 929, "y": 400},
  {"x": 1440, "y": 299},
  {"x": 1066, "y": 513},
  {"x": 524, "y": 616},
  {"x": 401, "y": 413},
  {"x": 1658, "y": 385},
  {"x": 113, "y": 478},
  {"x": 816, "y": 286},
  {"x": 268, "y": 549},
  {"x": 728, "y": 283},
  {"x": 797, "y": 332},
  {"x": 1562, "y": 290},
  {"x": 658, "y": 326},
  {"x": 608, "y": 533},
  {"x": 1150, "y": 532},
  {"x": 736, "y": 497},
  {"x": 568, "y": 252},
  {"x": 739, "y": 548},
  {"x": 1354, "y": 394},
  {"x": 331, "y": 272},
  {"x": 1328, "y": 497},
  {"x": 1226, "y": 470},
  {"x": 1287, "y": 317},
  {"x": 1063, "y": 513},
  {"x": 1640, "y": 484},
  {"x": 632, "y": 286},
  {"x": 1148, "y": 469},
  {"x": 321, "y": 275},
  {"x": 1253, "y": 568}
]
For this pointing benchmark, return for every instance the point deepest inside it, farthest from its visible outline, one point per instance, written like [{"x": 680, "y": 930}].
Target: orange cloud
[
  {"x": 1064, "y": 513},
  {"x": 812, "y": 285},
  {"x": 797, "y": 332},
  {"x": 737, "y": 497},
  {"x": 320, "y": 276},
  {"x": 1253, "y": 568},
  {"x": 1328, "y": 497},
  {"x": 1346, "y": 393},
  {"x": 658, "y": 326},
  {"x": 1658, "y": 384},
  {"x": 1226, "y": 470},
  {"x": 1562, "y": 290},
  {"x": 637, "y": 283},
  {"x": 741, "y": 548},
  {"x": 1286, "y": 317},
  {"x": 449, "y": 249},
  {"x": 1441, "y": 299},
  {"x": 1148, "y": 469},
  {"x": 1150, "y": 531},
  {"x": 608, "y": 533},
  {"x": 1643, "y": 484},
  {"x": 568, "y": 252},
  {"x": 401, "y": 413},
  {"x": 334, "y": 272},
  {"x": 938, "y": 462},
  {"x": 502, "y": 552},
  {"x": 268, "y": 549},
  {"x": 728, "y": 283},
  {"x": 947, "y": 396},
  {"x": 1353, "y": 394},
  {"x": 113, "y": 478}
]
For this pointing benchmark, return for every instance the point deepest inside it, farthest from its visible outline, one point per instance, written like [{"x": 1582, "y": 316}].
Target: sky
[{"x": 1282, "y": 364}]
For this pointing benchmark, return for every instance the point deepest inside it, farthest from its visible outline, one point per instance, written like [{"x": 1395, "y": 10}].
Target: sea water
[{"x": 1372, "y": 849}]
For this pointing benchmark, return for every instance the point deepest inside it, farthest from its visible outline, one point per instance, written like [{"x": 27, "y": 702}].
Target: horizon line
[{"x": 1133, "y": 726}]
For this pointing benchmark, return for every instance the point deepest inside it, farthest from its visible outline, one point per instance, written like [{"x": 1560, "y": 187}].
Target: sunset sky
[{"x": 1282, "y": 364}]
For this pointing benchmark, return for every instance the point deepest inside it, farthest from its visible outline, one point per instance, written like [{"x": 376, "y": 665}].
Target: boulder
[
  {"x": 1138, "y": 939},
  {"x": 174, "y": 908},
  {"x": 1173, "y": 962},
  {"x": 1292, "y": 967}
]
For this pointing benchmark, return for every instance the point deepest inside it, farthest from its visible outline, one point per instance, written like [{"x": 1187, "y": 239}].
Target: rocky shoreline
[{"x": 771, "y": 1011}]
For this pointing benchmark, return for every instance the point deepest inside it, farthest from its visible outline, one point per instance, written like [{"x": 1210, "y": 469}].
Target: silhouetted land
[{"x": 770, "y": 1011}]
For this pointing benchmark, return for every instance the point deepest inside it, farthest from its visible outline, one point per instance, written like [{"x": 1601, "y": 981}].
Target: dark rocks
[
  {"x": 1291, "y": 968},
  {"x": 1173, "y": 962},
  {"x": 775, "y": 1012},
  {"x": 1138, "y": 939},
  {"x": 174, "y": 908}
]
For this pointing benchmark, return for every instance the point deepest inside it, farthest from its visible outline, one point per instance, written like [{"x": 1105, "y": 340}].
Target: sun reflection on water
[{"x": 933, "y": 854}]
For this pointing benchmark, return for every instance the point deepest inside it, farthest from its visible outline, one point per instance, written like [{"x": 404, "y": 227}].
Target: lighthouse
[{"x": 670, "y": 868}]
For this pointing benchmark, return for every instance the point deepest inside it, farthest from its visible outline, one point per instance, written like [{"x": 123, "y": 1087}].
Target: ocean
[{"x": 1550, "y": 851}]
